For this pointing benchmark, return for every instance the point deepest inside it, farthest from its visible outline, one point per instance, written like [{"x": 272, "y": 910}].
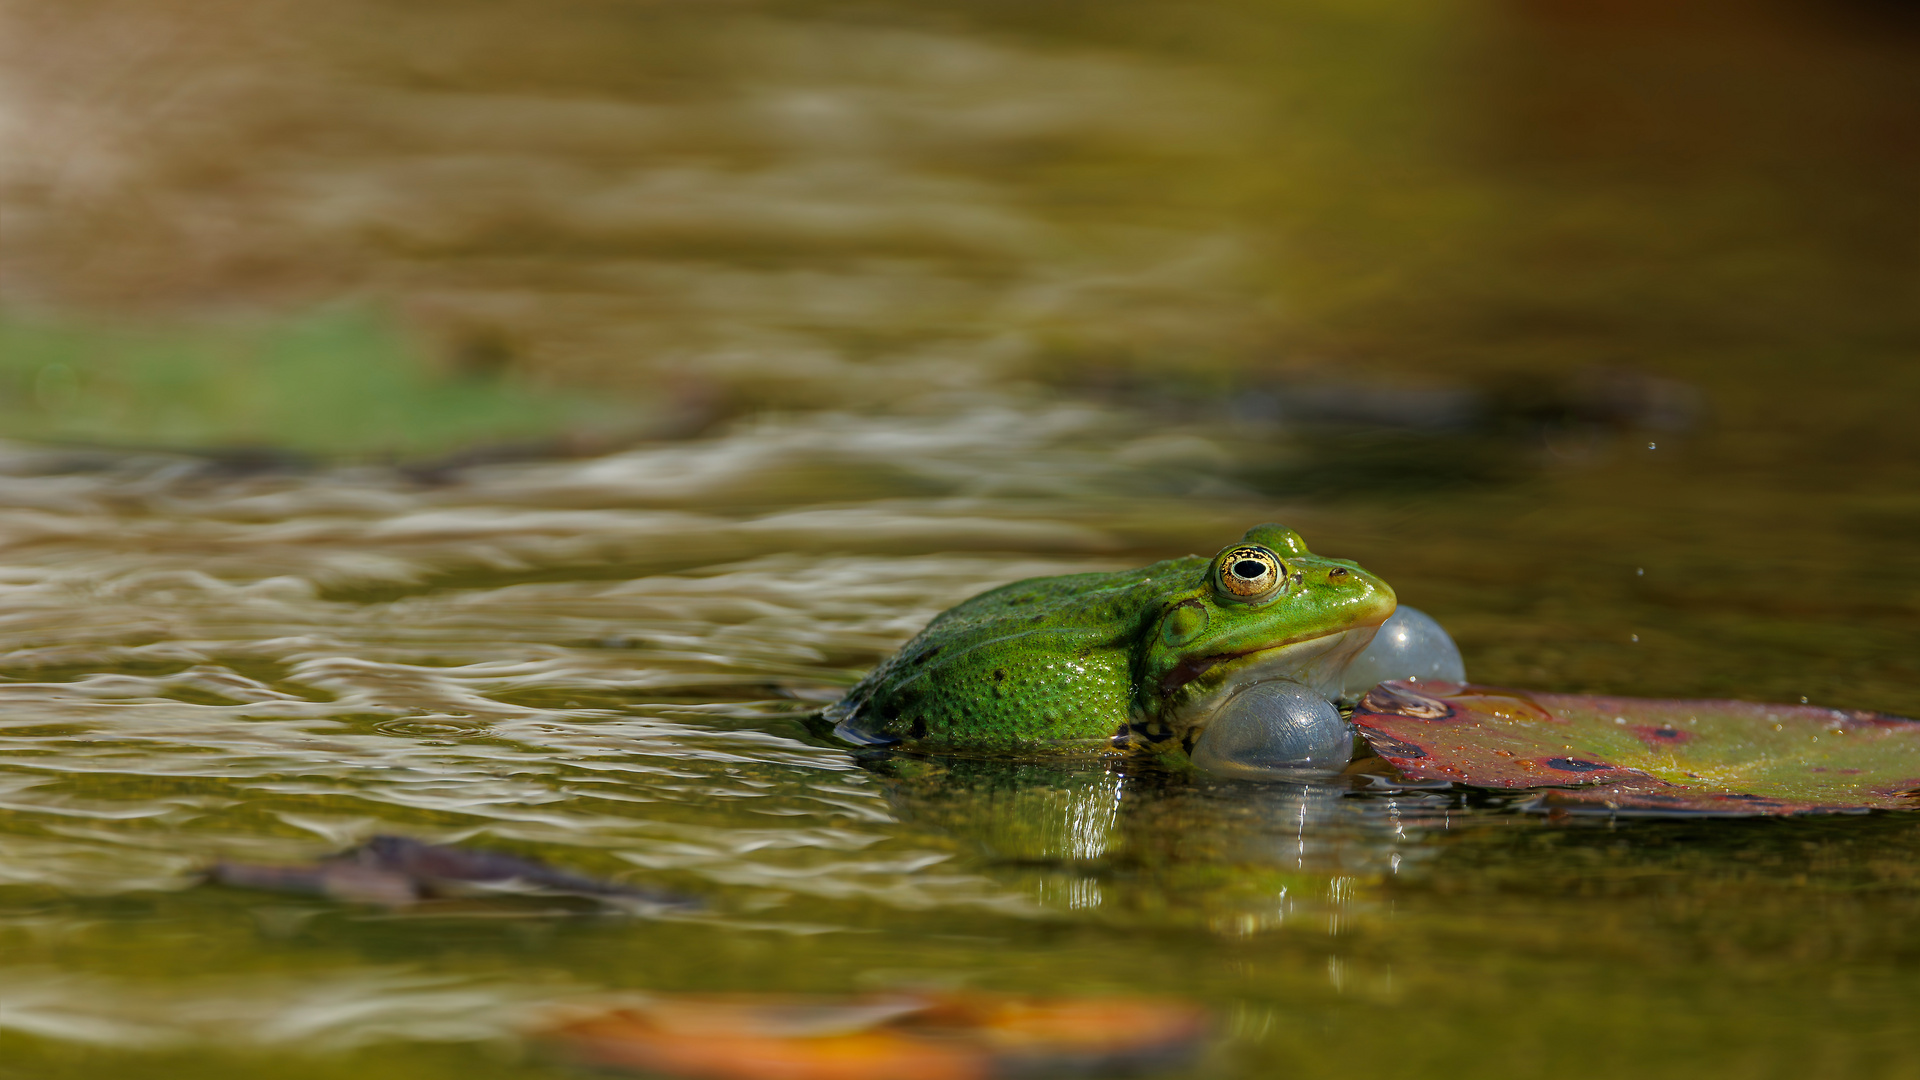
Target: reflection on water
[
  {"x": 337, "y": 1013},
  {"x": 1587, "y": 326}
]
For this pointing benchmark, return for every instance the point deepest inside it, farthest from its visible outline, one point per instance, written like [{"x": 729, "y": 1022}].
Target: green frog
[{"x": 1138, "y": 659}]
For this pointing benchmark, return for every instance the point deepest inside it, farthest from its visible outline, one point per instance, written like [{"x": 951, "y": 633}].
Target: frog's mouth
[{"x": 1320, "y": 662}]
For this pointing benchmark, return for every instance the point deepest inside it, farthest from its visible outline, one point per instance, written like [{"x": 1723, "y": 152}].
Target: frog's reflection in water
[{"x": 1122, "y": 835}]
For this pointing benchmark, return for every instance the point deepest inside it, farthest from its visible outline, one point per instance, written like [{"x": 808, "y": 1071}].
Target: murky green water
[{"x": 911, "y": 303}]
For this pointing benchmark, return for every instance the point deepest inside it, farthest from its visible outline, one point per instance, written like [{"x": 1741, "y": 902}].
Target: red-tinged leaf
[
  {"x": 912, "y": 1037},
  {"x": 1646, "y": 755}
]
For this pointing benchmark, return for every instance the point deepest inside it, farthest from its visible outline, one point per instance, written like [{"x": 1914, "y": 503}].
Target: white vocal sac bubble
[
  {"x": 1410, "y": 645},
  {"x": 1274, "y": 729}
]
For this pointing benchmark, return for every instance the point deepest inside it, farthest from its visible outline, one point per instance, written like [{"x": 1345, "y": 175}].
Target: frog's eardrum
[
  {"x": 1409, "y": 645},
  {"x": 1274, "y": 728}
]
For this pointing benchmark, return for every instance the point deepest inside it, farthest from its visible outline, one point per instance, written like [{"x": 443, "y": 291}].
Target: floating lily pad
[{"x": 1646, "y": 755}]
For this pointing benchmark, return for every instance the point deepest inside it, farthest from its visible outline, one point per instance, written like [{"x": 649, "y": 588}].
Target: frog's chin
[{"x": 1319, "y": 663}]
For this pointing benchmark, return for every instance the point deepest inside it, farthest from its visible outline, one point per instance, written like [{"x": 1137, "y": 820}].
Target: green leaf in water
[{"x": 338, "y": 383}]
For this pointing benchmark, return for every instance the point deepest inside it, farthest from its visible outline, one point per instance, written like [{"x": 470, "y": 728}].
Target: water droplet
[
  {"x": 1619, "y": 719},
  {"x": 1635, "y": 637},
  {"x": 1639, "y": 571},
  {"x": 433, "y": 727},
  {"x": 1653, "y": 446},
  {"x": 1803, "y": 699}
]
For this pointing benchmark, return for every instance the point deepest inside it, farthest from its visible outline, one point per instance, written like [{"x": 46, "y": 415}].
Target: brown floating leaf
[
  {"x": 913, "y": 1037},
  {"x": 1646, "y": 755}
]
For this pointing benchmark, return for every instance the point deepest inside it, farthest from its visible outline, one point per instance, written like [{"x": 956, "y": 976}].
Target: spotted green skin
[{"x": 1138, "y": 654}]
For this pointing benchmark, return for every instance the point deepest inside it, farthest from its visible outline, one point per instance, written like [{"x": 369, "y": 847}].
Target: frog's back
[{"x": 1039, "y": 660}]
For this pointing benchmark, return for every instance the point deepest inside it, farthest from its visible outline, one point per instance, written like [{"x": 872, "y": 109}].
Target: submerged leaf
[
  {"x": 1646, "y": 755},
  {"x": 396, "y": 871}
]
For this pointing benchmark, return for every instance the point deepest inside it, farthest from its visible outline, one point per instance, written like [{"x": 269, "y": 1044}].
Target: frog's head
[{"x": 1267, "y": 608}]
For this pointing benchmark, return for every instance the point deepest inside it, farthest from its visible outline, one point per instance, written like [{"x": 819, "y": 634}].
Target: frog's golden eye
[{"x": 1250, "y": 572}]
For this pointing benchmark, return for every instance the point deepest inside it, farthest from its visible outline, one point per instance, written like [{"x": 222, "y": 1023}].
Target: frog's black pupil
[{"x": 1248, "y": 568}]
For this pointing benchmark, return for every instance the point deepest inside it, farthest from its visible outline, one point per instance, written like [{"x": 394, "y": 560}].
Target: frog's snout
[{"x": 1373, "y": 598}]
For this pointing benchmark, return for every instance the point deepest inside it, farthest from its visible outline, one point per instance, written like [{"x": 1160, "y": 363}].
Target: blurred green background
[{"x": 688, "y": 213}]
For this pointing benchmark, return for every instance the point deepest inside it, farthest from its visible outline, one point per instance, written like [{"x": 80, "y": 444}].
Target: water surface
[{"x": 897, "y": 305}]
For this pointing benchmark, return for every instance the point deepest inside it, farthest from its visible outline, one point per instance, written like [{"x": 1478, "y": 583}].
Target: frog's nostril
[{"x": 1336, "y": 573}]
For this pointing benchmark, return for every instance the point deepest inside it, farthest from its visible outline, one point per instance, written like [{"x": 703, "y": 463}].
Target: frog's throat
[{"x": 1319, "y": 662}]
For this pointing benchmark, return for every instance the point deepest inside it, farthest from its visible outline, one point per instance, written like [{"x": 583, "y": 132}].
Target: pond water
[{"x": 907, "y": 304}]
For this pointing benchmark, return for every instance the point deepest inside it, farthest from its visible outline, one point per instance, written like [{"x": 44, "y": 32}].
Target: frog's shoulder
[
  {"x": 1102, "y": 601},
  {"x": 1038, "y": 660}
]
